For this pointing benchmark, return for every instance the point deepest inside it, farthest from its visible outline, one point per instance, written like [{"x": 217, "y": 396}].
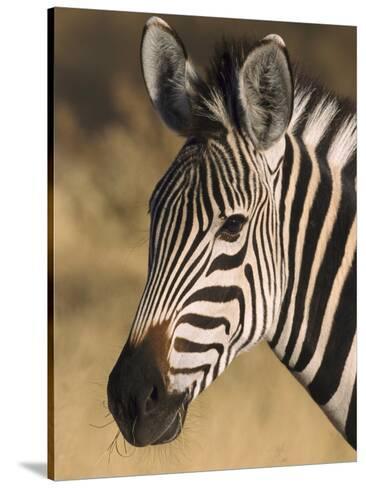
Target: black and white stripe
[{"x": 289, "y": 275}]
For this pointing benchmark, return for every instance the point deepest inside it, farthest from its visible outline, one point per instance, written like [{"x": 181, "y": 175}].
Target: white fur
[
  {"x": 275, "y": 38},
  {"x": 344, "y": 143},
  {"x": 216, "y": 109},
  {"x": 318, "y": 122},
  {"x": 301, "y": 99}
]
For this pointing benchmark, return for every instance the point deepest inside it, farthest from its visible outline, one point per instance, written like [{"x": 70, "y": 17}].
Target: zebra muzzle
[{"x": 143, "y": 408}]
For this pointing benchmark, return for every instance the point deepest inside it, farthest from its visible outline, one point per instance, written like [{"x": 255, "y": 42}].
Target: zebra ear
[
  {"x": 266, "y": 91},
  {"x": 168, "y": 74}
]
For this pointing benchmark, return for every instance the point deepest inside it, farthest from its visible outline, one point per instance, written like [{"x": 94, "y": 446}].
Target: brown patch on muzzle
[
  {"x": 138, "y": 397},
  {"x": 157, "y": 342}
]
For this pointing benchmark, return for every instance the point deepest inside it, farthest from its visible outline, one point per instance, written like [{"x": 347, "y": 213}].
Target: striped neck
[{"x": 315, "y": 332}]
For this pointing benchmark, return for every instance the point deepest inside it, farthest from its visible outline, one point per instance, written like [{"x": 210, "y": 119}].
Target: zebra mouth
[
  {"x": 173, "y": 429},
  {"x": 139, "y": 401}
]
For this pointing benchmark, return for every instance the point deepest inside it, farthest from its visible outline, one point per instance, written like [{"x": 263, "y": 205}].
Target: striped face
[
  {"x": 216, "y": 273},
  {"x": 231, "y": 261},
  {"x": 214, "y": 281}
]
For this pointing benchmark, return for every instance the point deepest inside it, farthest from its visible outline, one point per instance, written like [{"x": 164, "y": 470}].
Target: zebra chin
[
  {"x": 143, "y": 433},
  {"x": 174, "y": 429},
  {"x": 145, "y": 411}
]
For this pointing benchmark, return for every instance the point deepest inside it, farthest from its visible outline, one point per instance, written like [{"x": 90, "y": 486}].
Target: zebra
[{"x": 252, "y": 235}]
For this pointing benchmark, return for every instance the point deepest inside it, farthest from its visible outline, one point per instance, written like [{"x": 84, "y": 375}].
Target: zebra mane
[{"x": 216, "y": 105}]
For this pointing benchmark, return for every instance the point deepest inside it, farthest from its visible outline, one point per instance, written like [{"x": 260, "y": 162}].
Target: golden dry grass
[{"x": 110, "y": 150}]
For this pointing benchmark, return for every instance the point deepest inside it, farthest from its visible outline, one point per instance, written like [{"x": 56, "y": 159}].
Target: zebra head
[{"x": 216, "y": 271}]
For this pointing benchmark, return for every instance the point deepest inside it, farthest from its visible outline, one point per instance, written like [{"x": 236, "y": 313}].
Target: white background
[{"x": 23, "y": 238}]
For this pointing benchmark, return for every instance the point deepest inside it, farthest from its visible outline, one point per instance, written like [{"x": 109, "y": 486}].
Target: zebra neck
[{"x": 314, "y": 335}]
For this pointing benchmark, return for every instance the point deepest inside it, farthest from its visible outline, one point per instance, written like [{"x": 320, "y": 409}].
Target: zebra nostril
[{"x": 151, "y": 400}]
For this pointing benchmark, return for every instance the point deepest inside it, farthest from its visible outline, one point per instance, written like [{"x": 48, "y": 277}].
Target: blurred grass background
[{"x": 110, "y": 150}]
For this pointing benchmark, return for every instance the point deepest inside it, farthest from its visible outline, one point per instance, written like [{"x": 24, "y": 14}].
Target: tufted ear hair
[
  {"x": 266, "y": 91},
  {"x": 169, "y": 75}
]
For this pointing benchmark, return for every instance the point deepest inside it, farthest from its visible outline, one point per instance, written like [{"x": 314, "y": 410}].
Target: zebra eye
[{"x": 230, "y": 230}]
